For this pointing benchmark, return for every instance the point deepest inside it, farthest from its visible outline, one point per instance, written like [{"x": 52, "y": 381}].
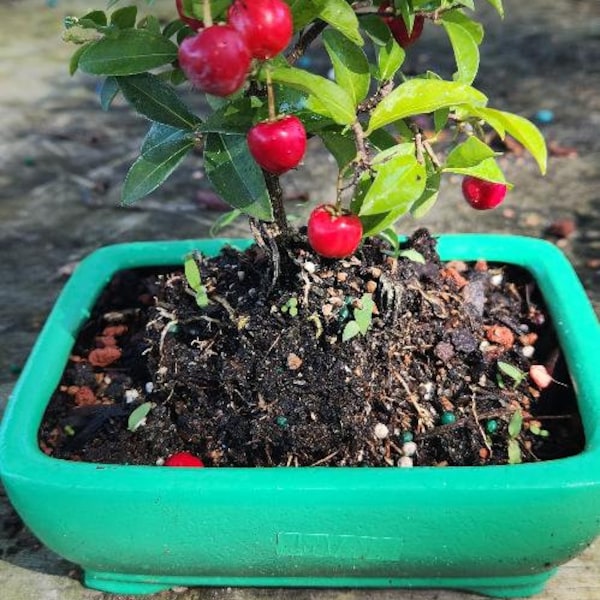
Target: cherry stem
[
  {"x": 271, "y": 97},
  {"x": 206, "y": 13}
]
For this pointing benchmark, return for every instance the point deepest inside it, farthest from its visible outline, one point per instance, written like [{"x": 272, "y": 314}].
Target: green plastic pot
[{"x": 496, "y": 530}]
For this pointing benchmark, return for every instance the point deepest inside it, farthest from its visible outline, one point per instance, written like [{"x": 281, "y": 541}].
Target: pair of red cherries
[{"x": 217, "y": 60}]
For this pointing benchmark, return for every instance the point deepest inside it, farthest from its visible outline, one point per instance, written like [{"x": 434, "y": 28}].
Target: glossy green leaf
[
  {"x": 162, "y": 152},
  {"x": 398, "y": 182},
  {"x": 465, "y": 48},
  {"x": 163, "y": 140},
  {"x": 224, "y": 221},
  {"x": 350, "y": 65},
  {"x": 497, "y": 4},
  {"x": 124, "y": 18},
  {"x": 303, "y": 12},
  {"x": 420, "y": 96},
  {"x": 429, "y": 196},
  {"x": 523, "y": 130},
  {"x": 341, "y": 146},
  {"x": 389, "y": 59},
  {"x": 157, "y": 100},
  {"x": 74, "y": 62},
  {"x": 235, "y": 176},
  {"x": 460, "y": 18},
  {"x": 150, "y": 23},
  {"x": 474, "y": 157},
  {"x": 378, "y": 32},
  {"x": 127, "y": 52},
  {"x": 469, "y": 153},
  {"x": 332, "y": 98},
  {"x": 341, "y": 16},
  {"x": 234, "y": 117},
  {"x": 108, "y": 92}
]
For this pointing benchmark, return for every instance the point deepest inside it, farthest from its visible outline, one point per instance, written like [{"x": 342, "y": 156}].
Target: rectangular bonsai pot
[{"x": 496, "y": 530}]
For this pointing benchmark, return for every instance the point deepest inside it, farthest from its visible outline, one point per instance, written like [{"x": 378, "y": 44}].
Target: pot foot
[
  {"x": 514, "y": 587},
  {"x": 117, "y": 583}
]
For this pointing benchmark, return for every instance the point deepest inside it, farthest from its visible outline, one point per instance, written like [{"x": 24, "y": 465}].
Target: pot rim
[{"x": 575, "y": 322}]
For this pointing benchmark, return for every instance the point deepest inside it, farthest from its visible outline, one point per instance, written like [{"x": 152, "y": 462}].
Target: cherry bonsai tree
[{"x": 261, "y": 107}]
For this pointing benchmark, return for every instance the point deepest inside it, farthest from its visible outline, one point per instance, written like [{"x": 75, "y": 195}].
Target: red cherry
[
  {"x": 278, "y": 146},
  {"x": 331, "y": 234},
  {"x": 183, "y": 459},
  {"x": 216, "y": 60},
  {"x": 398, "y": 26},
  {"x": 266, "y": 25},
  {"x": 481, "y": 194},
  {"x": 192, "y": 23}
]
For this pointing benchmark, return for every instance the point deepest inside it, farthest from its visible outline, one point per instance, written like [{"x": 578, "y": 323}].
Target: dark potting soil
[{"x": 435, "y": 372}]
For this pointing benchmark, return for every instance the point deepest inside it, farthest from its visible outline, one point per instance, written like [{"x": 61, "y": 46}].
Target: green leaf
[
  {"x": 364, "y": 315},
  {"x": 303, "y": 12},
  {"x": 124, "y": 18},
  {"x": 399, "y": 181},
  {"x": 333, "y": 99},
  {"x": 172, "y": 28},
  {"x": 389, "y": 59},
  {"x": 233, "y": 117},
  {"x": 515, "y": 424},
  {"x": 164, "y": 140},
  {"x": 235, "y": 176},
  {"x": 162, "y": 152},
  {"x": 157, "y": 100},
  {"x": 523, "y": 130},
  {"x": 137, "y": 418},
  {"x": 419, "y": 96},
  {"x": 97, "y": 17},
  {"x": 350, "y": 65},
  {"x": 412, "y": 254},
  {"x": 127, "y": 52},
  {"x": 150, "y": 23},
  {"x": 514, "y": 452},
  {"x": 341, "y": 146},
  {"x": 497, "y": 4},
  {"x": 429, "y": 196},
  {"x": 513, "y": 372},
  {"x": 376, "y": 29},
  {"x": 192, "y": 272},
  {"x": 341, "y": 16},
  {"x": 466, "y": 51},
  {"x": 460, "y": 18},
  {"x": 350, "y": 330},
  {"x": 469, "y": 153},
  {"x": 74, "y": 62},
  {"x": 224, "y": 221},
  {"x": 108, "y": 92}
]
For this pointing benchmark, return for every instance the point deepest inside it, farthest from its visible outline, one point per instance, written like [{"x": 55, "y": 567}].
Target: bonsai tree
[
  {"x": 261, "y": 106},
  {"x": 393, "y": 137}
]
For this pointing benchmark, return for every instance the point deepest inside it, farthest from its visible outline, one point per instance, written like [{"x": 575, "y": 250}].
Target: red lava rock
[
  {"x": 562, "y": 228},
  {"x": 498, "y": 334},
  {"x": 294, "y": 362},
  {"x": 481, "y": 266},
  {"x": 528, "y": 339},
  {"x": 106, "y": 341},
  {"x": 85, "y": 396},
  {"x": 555, "y": 149},
  {"x": 454, "y": 275},
  {"x": 115, "y": 330},
  {"x": 102, "y": 357}
]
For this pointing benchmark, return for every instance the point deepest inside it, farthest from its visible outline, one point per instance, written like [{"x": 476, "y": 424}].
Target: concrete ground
[{"x": 62, "y": 160}]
